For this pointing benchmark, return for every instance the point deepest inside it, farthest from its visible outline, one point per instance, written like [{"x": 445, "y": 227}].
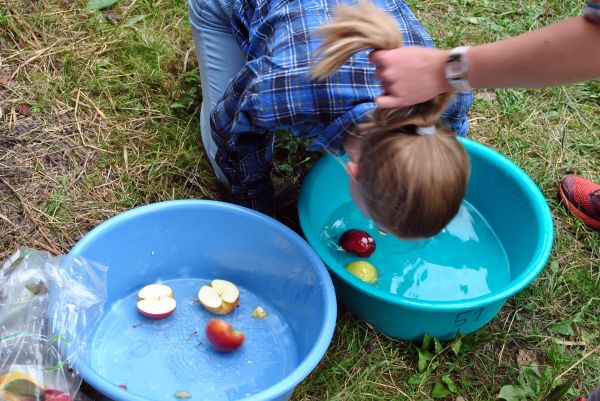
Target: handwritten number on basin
[{"x": 464, "y": 317}]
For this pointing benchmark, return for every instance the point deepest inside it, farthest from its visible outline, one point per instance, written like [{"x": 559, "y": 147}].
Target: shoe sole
[{"x": 587, "y": 220}]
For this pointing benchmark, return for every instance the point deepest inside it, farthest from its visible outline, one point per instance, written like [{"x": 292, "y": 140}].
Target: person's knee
[{"x": 213, "y": 14}]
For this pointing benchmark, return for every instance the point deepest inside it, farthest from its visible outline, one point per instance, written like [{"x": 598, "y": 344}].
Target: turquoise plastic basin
[{"x": 507, "y": 198}]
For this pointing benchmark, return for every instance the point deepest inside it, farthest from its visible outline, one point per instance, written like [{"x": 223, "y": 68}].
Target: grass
[{"x": 114, "y": 99}]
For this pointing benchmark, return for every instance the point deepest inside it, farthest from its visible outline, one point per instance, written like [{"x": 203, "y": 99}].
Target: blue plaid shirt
[{"x": 273, "y": 90}]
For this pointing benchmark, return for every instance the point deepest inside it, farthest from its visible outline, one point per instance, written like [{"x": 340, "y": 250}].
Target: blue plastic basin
[
  {"x": 185, "y": 244},
  {"x": 506, "y": 197}
]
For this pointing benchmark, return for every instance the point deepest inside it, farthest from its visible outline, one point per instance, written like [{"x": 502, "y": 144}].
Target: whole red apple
[
  {"x": 222, "y": 336},
  {"x": 56, "y": 395},
  {"x": 358, "y": 242}
]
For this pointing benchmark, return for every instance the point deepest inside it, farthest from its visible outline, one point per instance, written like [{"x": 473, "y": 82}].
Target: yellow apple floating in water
[
  {"x": 220, "y": 297},
  {"x": 364, "y": 271},
  {"x": 156, "y": 301}
]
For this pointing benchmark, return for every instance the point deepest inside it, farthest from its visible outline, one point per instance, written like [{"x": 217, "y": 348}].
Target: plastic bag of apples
[{"x": 47, "y": 305}]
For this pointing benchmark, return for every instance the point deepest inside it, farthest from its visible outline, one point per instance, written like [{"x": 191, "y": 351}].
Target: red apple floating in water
[
  {"x": 222, "y": 336},
  {"x": 156, "y": 301},
  {"x": 220, "y": 297},
  {"x": 56, "y": 395},
  {"x": 358, "y": 242}
]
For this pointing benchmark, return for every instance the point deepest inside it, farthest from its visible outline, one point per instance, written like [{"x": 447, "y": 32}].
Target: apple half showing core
[
  {"x": 156, "y": 301},
  {"x": 219, "y": 297}
]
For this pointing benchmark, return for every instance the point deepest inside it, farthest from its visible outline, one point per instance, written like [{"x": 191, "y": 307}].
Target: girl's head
[
  {"x": 411, "y": 185},
  {"x": 409, "y": 174}
]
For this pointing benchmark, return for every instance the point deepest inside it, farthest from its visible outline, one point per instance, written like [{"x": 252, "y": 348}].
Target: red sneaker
[{"x": 582, "y": 197}]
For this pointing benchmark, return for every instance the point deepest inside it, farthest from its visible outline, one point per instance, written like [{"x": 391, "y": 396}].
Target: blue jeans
[
  {"x": 595, "y": 396},
  {"x": 219, "y": 60}
]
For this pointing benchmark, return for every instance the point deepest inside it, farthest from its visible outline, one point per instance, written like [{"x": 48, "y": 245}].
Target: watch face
[{"x": 455, "y": 69}]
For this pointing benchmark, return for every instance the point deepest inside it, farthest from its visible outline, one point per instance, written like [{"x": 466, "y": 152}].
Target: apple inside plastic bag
[{"x": 49, "y": 305}]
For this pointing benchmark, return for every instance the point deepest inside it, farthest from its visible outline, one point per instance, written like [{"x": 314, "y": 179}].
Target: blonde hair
[{"x": 412, "y": 184}]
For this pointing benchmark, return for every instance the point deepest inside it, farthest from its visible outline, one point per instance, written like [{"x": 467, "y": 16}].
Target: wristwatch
[{"x": 457, "y": 69}]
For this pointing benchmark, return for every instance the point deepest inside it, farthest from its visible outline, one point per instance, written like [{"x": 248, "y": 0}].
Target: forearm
[{"x": 562, "y": 53}]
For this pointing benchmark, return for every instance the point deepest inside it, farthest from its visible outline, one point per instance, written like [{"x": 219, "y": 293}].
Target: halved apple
[
  {"x": 17, "y": 386},
  {"x": 220, "y": 297},
  {"x": 222, "y": 336},
  {"x": 156, "y": 301}
]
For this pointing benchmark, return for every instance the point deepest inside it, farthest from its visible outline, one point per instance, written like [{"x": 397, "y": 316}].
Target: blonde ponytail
[{"x": 354, "y": 29}]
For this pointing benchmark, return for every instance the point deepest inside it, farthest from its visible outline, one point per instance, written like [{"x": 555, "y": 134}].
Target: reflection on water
[{"x": 465, "y": 260}]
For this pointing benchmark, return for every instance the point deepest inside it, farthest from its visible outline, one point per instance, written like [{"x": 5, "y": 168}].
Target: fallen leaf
[
  {"x": 6, "y": 82},
  {"x": 485, "y": 95},
  {"x": 113, "y": 18},
  {"x": 182, "y": 394},
  {"x": 24, "y": 110},
  {"x": 525, "y": 357},
  {"x": 563, "y": 328},
  {"x": 55, "y": 160},
  {"x": 94, "y": 5},
  {"x": 134, "y": 20}
]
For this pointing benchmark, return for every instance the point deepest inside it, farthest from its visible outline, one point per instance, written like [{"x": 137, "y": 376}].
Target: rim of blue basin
[
  {"x": 307, "y": 365},
  {"x": 540, "y": 257}
]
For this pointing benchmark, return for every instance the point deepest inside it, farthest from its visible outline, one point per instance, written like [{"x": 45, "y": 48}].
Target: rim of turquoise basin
[
  {"x": 540, "y": 257},
  {"x": 302, "y": 370}
]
